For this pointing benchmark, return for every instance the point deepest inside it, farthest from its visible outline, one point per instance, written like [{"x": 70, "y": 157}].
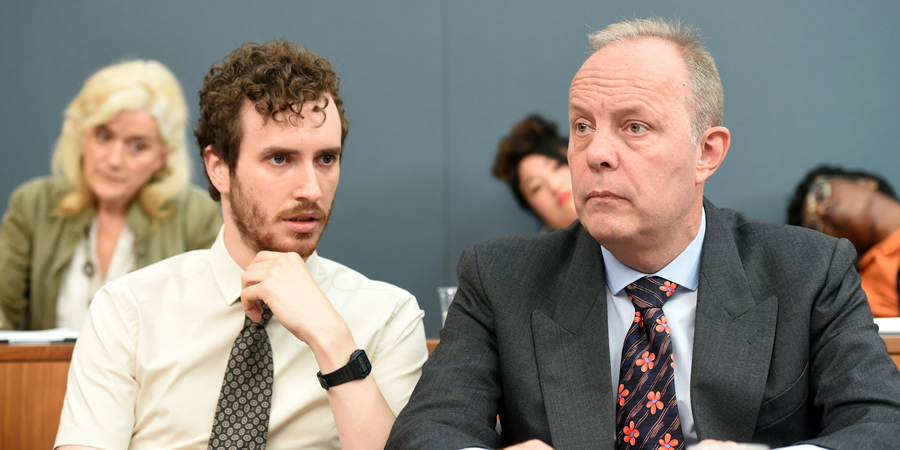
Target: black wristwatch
[{"x": 357, "y": 368}]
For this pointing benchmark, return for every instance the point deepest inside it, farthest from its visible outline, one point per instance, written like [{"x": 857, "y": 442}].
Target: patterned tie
[
  {"x": 646, "y": 411},
  {"x": 242, "y": 414}
]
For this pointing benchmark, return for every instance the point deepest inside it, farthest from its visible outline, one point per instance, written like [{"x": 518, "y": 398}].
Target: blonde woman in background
[{"x": 119, "y": 199}]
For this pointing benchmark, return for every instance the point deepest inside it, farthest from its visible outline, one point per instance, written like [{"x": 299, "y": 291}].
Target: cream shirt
[
  {"x": 149, "y": 362},
  {"x": 77, "y": 288}
]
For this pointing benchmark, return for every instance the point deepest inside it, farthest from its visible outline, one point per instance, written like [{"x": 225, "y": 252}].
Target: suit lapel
[
  {"x": 572, "y": 353},
  {"x": 73, "y": 231},
  {"x": 733, "y": 338}
]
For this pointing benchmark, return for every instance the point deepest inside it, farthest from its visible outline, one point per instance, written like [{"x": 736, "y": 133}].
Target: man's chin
[
  {"x": 303, "y": 244},
  {"x": 608, "y": 233}
]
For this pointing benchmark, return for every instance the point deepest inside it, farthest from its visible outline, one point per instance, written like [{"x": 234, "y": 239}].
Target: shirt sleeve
[
  {"x": 101, "y": 391},
  {"x": 400, "y": 353}
]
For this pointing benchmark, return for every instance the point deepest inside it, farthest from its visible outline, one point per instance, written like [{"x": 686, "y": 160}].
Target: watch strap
[{"x": 358, "y": 367}]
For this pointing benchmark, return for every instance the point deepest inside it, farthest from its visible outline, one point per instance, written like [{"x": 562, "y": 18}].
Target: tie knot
[
  {"x": 266, "y": 315},
  {"x": 650, "y": 292}
]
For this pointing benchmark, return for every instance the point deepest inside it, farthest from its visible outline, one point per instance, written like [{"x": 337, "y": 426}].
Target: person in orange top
[{"x": 862, "y": 208}]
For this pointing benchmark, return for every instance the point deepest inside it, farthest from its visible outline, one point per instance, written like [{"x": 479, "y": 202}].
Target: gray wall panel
[{"x": 431, "y": 86}]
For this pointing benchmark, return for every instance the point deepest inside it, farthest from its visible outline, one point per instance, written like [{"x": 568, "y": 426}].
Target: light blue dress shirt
[{"x": 679, "y": 309}]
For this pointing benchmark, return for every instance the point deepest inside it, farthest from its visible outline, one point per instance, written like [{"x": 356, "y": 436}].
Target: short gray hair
[{"x": 707, "y": 102}]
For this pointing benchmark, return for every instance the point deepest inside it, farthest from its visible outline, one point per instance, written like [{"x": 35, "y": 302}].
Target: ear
[
  {"x": 216, "y": 170},
  {"x": 713, "y": 147}
]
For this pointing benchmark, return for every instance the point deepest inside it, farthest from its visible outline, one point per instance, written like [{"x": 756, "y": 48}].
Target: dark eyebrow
[{"x": 269, "y": 151}]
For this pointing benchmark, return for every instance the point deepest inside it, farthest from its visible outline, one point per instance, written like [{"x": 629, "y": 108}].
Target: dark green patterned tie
[{"x": 245, "y": 401}]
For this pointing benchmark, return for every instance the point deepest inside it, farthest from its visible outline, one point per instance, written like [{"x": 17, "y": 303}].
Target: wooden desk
[
  {"x": 32, "y": 388},
  {"x": 893, "y": 346},
  {"x": 33, "y": 385}
]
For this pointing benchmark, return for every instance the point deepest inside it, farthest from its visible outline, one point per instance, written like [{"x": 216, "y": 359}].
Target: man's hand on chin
[{"x": 284, "y": 283}]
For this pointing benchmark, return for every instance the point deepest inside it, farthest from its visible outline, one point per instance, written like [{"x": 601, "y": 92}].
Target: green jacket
[{"x": 36, "y": 245}]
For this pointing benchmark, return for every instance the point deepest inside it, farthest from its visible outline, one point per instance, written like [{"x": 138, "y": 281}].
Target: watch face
[{"x": 362, "y": 362}]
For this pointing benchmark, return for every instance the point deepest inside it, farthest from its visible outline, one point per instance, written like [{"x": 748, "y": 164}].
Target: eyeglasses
[{"x": 819, "y": 191}]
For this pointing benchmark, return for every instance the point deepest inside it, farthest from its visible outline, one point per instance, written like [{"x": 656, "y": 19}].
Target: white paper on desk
[
  {"x": 38, "y": 337},
  {"x": 888, "y": 325}
]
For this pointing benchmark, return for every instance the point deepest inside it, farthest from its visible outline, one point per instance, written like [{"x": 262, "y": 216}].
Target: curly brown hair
[
  {"x": 533, "y": 135},
  {"x": 277, "y": 77}
]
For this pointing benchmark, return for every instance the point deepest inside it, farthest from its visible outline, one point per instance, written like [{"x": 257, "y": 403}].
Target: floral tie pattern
[
  {"x": 242, "y": 414},
  {"x": 646, "y": 410}
]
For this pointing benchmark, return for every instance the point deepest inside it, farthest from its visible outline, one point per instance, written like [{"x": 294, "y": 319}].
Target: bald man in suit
[{"x": 772, "y": 338}]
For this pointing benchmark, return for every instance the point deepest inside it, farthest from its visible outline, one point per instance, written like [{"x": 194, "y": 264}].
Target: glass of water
[{"x": 446, "y": 294}]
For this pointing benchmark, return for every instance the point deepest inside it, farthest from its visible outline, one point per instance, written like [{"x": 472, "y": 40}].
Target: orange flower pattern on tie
[
  {"x": 646, "y": 408},
  {"x": 667, "y": 442},
  {"x": 662, "y": 324},
  {"x": 669, "y": 287},
  {"x": 622, "y": 394},
  {"x": 646, "y": 361},
  {"x": 654, "y": 402},
  {"x": 631, "y": 433}
]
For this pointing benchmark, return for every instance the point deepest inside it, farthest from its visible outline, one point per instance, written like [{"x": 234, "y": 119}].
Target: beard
[{"x": 251, "y": 223}]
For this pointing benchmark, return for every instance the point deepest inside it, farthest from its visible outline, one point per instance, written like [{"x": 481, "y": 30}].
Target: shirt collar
[
  {"x": 228, "y": 273},
  {"x": 684, "y": 270}
]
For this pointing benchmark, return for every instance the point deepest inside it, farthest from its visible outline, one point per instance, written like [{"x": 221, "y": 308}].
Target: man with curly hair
[{"x": 257, "y": 341}]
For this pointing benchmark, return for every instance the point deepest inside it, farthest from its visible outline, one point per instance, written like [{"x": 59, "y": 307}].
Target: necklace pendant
[{"x": 88, "y": 269}]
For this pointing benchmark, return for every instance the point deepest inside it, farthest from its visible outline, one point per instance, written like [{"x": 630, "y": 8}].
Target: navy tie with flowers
[
  {"x": 646, "y": 410},
  {"x": 245, "y": 401}
]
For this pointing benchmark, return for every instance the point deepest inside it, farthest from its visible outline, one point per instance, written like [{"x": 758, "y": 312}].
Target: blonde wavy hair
[{"x": 127, "y": 86}]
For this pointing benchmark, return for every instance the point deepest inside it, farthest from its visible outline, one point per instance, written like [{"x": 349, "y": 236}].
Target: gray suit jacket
[{"x": 785, "y": 349}]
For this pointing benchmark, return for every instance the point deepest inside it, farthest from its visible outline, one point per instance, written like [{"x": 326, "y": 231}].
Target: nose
[
  {"x": 307, "y": 183},
  {"x": 115, "y": 155},
  {"x": 601, "y": 153}
]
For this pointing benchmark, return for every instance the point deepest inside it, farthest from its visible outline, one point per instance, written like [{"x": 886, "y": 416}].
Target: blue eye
[
  {"x": 328, "y": 159},
  {"x": 278, "y": 159}
]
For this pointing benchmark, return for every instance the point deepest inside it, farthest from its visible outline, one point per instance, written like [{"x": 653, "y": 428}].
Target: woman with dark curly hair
[
  {"x": 532, "y": 161},
  {"x": 119, "y": 199}
]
